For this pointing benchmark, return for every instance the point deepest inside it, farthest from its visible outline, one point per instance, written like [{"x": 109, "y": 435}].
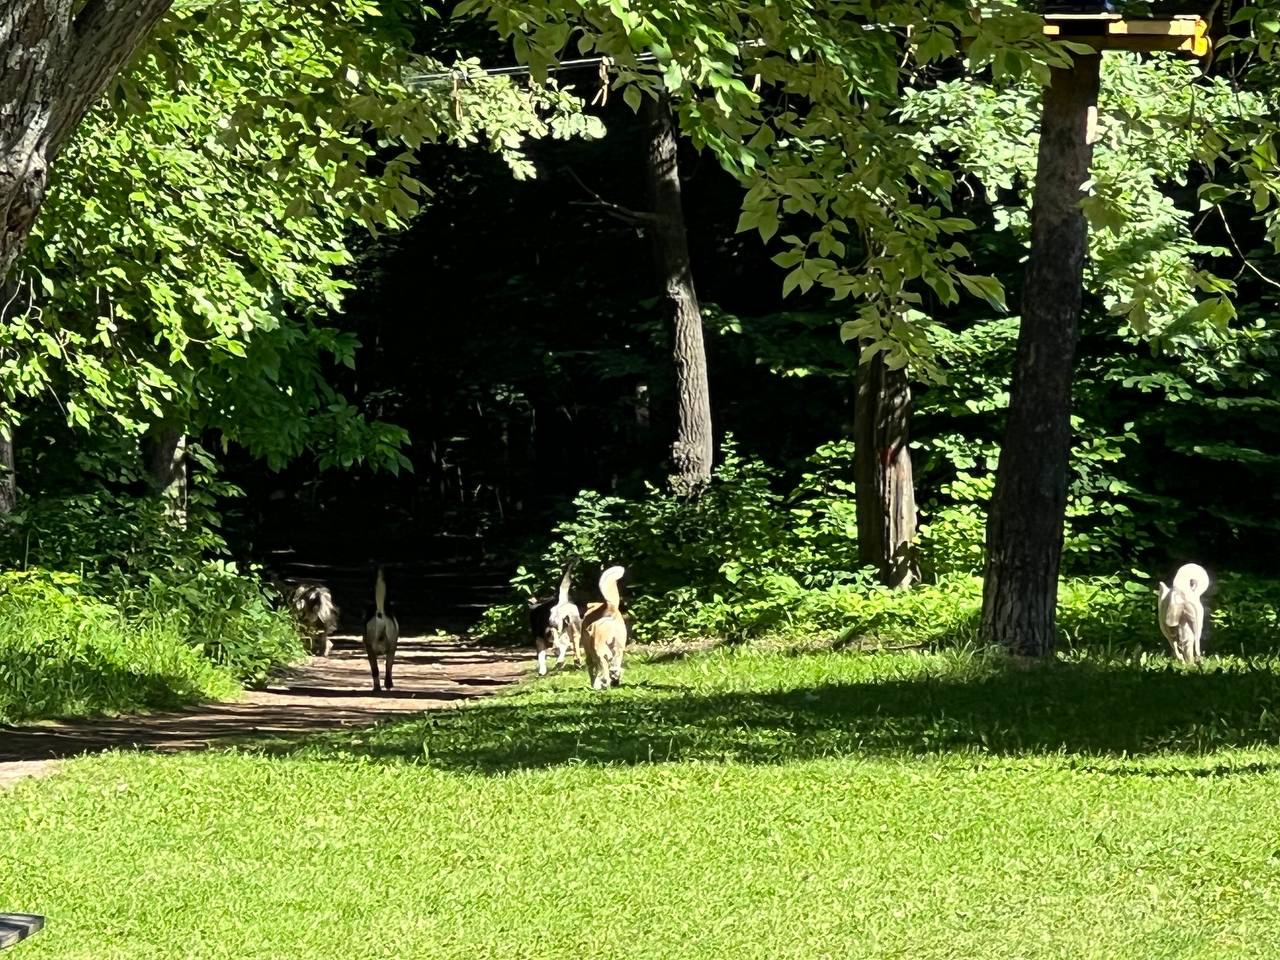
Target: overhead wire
[{"x": 451, "y": 76}]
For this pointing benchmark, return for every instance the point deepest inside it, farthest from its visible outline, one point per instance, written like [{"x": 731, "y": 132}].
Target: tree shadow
[{"x": 1081, "y": 709}]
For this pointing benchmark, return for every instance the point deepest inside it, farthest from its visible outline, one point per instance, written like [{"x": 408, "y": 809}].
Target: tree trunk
[
  {"x": 167, "y": 465},
  {"x": 691, "y": 453},
  {"x": 8, "y": 476},
  {"x": 54, "y": 63},
  {"x": 882, "y": 472},
  {"x": 1025, "y": 524}
]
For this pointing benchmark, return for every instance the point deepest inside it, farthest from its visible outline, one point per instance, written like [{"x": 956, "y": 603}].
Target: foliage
[
  {"x": 800, "y": 100},
  {"x": 123, "y": 551},
  {"x": 693, "y": 564},
  {"x": 745, "y": 561},
  {"x": 825, "y": 804},
  {"x": 64, "y": 653},
  {"x": 223, "y": 612},
  {"x": 1143, "y": 253},
  {"x": 190, "y": 254}
]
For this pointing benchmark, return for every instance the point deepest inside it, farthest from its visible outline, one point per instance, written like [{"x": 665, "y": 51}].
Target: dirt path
[{"x": 321, "y": 694}]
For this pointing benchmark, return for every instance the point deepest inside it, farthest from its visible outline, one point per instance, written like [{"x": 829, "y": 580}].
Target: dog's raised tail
[
  {"x": 563, "y": 597},
  {"x": 380, "y": 595},
  {"x": 1192, "y": 579},
  {"x": 609, "y": 588}
]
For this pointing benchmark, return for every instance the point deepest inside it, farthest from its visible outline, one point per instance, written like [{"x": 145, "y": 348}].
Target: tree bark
[
  {"x": 167, "y": 466},
  {"x": 691, "y": 454},
  {"x": 1025, "y": 523},
  {"x": 882, "y": 476},
  {"x": 54, "y": 63},
  {"x": 8, "y": 476}
]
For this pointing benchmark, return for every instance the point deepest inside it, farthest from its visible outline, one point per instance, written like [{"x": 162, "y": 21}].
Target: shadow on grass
[{"x": 1082, "y": 709}]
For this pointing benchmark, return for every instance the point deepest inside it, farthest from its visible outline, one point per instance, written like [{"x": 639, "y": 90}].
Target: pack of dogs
[
  {"x": 317, "y": 616},
  {"x": 597, "y": 631},
  {"x": 559, "y": 625},
  {"x": 600, "y": 631}
]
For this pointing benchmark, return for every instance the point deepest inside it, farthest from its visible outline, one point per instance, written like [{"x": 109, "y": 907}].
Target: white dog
[{"x": 1182, "y": 613}]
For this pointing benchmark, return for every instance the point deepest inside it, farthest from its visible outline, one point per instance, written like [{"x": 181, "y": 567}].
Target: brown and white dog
[
  {"x": 317, "y": 615},
  {"x": 604, "y": 633},
  {"x": 381, "y": 631},
  {"x": 1182, "y": 613},
  {"x": 556, "y": 625}
]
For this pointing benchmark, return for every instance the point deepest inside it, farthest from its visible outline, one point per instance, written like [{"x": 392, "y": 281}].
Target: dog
[
  {"x": 1181, "y": 612},
  {"x": 381, "y": 632},
  {"x": 317, "y": 615},
  {"x": 604, "y": 633},
  {"x": 556, "y": 625}
]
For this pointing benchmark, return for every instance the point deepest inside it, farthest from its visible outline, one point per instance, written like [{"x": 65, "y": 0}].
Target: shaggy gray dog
[{"x": 312, "y": 604}]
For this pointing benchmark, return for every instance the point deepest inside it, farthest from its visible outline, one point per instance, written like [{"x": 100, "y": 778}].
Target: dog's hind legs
[
  {"x": 391, "y": 659},
  {"x": 373, "y": 669},
  {"x": 599, "y": 675}
]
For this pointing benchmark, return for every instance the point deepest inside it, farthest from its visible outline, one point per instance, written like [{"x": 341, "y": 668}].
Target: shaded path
[{"x": 318, "y": 695}]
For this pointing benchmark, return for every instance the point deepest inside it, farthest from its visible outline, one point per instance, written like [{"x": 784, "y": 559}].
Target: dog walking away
[
  {"x": 557, "y": 625},
  {"x": 604, "y": 633},
  {"x": 381, "y": 632},
  {"x": 317, "y": 615},
  {"x": 1182, "y": 613}
]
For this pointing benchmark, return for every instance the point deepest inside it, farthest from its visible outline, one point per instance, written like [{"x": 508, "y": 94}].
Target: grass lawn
[{"x": 742, "y": 804}]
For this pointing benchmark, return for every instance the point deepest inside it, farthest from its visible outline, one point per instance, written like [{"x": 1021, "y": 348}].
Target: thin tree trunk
[
  {"x": 8, "y": 476},
  {"x": 882, "y": 472},
  {"x": 691, "y": 454},
  {"x": 1025, "y": 524},
  {"x": 54, "y": 63},
  {"x": 167, "y": 466}
]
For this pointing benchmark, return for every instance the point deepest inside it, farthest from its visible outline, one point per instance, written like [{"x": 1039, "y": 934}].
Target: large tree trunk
[
  {"x": 882, "y": 472},
  {"x": 1025, "y": 524},
  {"x": 54, "y": 63},
  {"x": 691, "y": 453},
  {"x": 166, "y": 451}
]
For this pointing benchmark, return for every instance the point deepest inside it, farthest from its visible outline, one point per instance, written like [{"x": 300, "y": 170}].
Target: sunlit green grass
[{"x": 727, "y": 805}]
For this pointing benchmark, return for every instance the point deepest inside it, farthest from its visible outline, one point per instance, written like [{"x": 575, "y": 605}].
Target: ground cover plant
[
  {"x": 744, "y": 802},
  {"x": 113, "y": 609},
  {"x": 65, "y": 653}
]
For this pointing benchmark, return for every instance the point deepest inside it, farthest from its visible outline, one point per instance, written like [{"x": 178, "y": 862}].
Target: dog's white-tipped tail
[
  {"x": 563, "y": 597},
  {"x": 380, "y": 594},
  {"x": 609, "y": 587}
]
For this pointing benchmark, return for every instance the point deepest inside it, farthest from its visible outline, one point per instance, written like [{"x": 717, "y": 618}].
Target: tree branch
[
  {"x": 625, "y": 214},
  {"x": 105, "y": 36}
]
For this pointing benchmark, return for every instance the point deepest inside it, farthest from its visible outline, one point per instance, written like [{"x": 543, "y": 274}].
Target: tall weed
[{"x": 66, "y": 654}]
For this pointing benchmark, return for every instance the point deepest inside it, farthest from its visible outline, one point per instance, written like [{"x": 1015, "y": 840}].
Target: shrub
[
  {"x": 222, "y": 613},
  {"x": 744, "y": 560},
  {"x": 125, "y": 552},
  {"x": 66, "y": 654}
]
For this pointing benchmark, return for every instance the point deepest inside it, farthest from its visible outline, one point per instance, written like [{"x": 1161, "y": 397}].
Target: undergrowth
[
  {"x": 120, "y": 608},
  {"x": 65, "y": 654}
]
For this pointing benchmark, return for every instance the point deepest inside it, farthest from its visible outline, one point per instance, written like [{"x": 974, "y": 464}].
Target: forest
[{"x": 901, "y": 353}]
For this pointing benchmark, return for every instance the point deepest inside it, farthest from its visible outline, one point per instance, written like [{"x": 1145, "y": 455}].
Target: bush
[
  {"x": 66, "y": 654},
  {"x": 1119, "y": 615},
  {"x": 125, "y": 552},
  {"x": 744, "y": 561},
  {"x": 222, "y": 613},
  {"x": 717, "y": 565}
]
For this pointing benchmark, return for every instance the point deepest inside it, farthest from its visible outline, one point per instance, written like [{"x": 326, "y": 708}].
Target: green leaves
[{"x": 195, "y": 242}]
